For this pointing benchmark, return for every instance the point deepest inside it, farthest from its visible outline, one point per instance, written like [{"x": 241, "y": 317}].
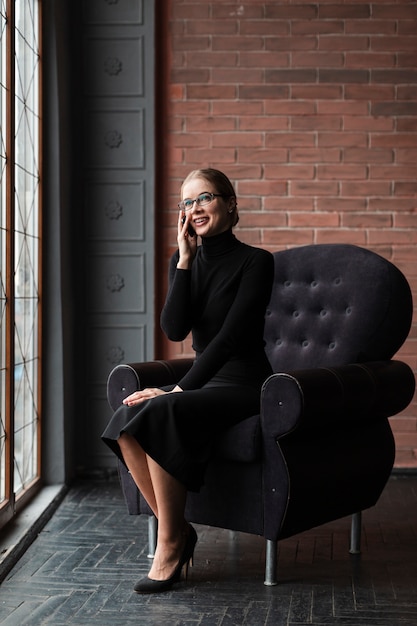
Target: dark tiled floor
[{"x": 82, "y": 567}]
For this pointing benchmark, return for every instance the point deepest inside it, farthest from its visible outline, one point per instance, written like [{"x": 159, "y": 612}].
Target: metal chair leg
[
  {"x": 355, "y": 533},
  {"x": 152, "y": 535},
  {"x": 271, "y": 563}
]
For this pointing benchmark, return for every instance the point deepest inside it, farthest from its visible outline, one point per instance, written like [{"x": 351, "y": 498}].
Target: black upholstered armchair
[{"x": 322, "y": 447}]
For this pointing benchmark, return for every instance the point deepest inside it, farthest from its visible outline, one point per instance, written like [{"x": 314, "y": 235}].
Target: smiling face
[{"x": 213, "y": 218}]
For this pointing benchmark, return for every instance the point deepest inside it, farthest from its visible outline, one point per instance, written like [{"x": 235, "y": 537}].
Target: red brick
[
  {"x": 261, "y": 155},
  {"x": 185, "y": 42},
  {"x": 317, "y": 122},
  {"x": 190, "y": 140},
  {"x": 313, "y": 188},
  {"x": 246, "y": 140},
  {"x": 286, "y": 11},
  {"x": 264, "y": 219},
  {"x": 342, "y": 107},
  {"x": 262, "y": 187},
  {"x": 394, "y": 11},
  {"x": 369, "y": 27},
  {"x": 406, "y": 220},
  {"x": 237, "y": 75},
  {"x": 290, "y": 237},
  {"x": 317, "y": 92},
  {"x": 291, "y": 43},
  {"x": 392, "y": 204},
  {"x": 339, "y": 235},
  {"x": 313, "y": 219},
  {"x": 407, "y": 92},
  {"x": 365, "y": 188},
  {"x": 341, "y": 204},
  {"x": 406, "y": 189},
  {"x": 236, "y": 42},
  {"x": 372, "y": 93},
  {"x": 269, "y": 123},
  {"x": 288, "y": 140},
  {"x": 203, "y": 92},
  {"x": 341, "y": 42},
  {"x": 341, "y": 172},
  {"x": 368, "y": 155},
  {"x": 198, "y": 156},
  {"x": 393, "y": 140},
  {"x": 260, "y": 92},
  {"x": 288, "y": 204},
  {"x": 342, "y": 139},
  {"x": 393, "y": 43},
  {"x": 263, "y": 59},
  {"x": 315, "y": 155},
  {"x": 407, "y": 27},
  {"x": 317, "y": 59},
  {"x": 210, "y": 123},
  {"x": 214, "y": 59},
  {"x": 208, "y": 27},
  {"x": 289, "y": 107},
  {"x": 237, "y": 108},
  {"x": 370, "y": 59},
  {"x": 275, "y": 28},
  {"x": 393, "y": 236},
  {"x": 356, "y": 11},
  {"x": 393, "y": 172},
  {"x": 371, "y": 124},
  {"x": 289, "y": 172},
  {"x": 366, "y": 220},
  {"x": 317, "y": 27},
  {"x": 185, "y": 75},
  {"x": 229, "y": 10}
]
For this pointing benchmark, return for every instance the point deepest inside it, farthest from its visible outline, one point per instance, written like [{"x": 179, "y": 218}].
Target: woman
[{"x": 219, "y": 292}]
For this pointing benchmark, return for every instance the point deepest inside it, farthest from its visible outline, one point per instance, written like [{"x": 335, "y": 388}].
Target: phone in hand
[{"x": 190, "y": 229}]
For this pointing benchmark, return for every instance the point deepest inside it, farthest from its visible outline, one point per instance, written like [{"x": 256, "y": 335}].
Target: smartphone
[{"x": 190, "y": 229}]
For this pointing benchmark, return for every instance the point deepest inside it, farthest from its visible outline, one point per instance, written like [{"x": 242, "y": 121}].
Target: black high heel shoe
[{"x": 149, "y": 585}]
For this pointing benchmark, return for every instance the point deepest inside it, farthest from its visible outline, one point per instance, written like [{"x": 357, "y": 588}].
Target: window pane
[
  {"x": 26, "y": 246},
  {"x": 2, "y": 249}
]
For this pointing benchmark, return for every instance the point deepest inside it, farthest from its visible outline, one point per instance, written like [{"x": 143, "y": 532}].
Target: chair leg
[
  {"x": 152, "y": 534},
  {"x": 271, "y": 548},
  {"x": 355, "y": 533}
]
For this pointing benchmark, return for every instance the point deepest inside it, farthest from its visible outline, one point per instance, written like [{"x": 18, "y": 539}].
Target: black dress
[{"x": 222, "y": 301}]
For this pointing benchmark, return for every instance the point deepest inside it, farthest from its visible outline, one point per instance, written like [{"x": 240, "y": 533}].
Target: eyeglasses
[{"x": 201, "y": 200}]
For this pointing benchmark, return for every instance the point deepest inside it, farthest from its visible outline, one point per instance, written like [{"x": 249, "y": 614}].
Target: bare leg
[
  {"x": 170, "y": 497},
  {"x": 166, "y": 497},
  {"x": 136, "y": 461}
]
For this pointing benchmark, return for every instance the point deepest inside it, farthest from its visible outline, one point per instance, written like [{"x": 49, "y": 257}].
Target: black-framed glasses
[{"x": 201, "y": 200}]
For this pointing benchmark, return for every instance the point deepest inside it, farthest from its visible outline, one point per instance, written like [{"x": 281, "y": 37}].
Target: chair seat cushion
[{"x": 242, "y": 442}]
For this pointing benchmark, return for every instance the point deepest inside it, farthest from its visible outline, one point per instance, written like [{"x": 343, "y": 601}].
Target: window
[{"x": 20, "y": 248}]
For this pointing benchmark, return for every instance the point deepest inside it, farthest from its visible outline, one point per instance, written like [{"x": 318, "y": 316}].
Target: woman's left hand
[{"x": 146, "y": 394}]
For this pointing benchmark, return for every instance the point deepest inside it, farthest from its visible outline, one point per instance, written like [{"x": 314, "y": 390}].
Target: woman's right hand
[{"x": 187, "y": 244}]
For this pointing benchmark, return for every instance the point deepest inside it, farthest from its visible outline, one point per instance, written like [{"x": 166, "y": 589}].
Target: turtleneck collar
[{"x": 219, "y": 244}]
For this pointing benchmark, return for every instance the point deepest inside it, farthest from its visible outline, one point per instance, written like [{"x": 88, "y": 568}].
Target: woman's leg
[
  {"x": 136, "y": 460},
  {"x": 170, "y": 497},
  {"x": 166, "y": 497}
]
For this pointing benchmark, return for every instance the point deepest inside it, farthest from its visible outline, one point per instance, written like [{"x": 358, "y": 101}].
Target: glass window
[{"x": 20, "y": 254}]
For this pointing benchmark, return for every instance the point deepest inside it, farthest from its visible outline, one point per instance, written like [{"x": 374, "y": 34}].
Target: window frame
[{"x": 12, "y": 504}]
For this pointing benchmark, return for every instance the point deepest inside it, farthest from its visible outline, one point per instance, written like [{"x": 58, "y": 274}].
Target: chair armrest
[
  {"x": 124, "y": 379},
  {"x": 318, "y": 398}
]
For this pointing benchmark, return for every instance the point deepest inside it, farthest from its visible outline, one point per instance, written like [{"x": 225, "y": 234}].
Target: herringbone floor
[{"x": 82, "y": 567}]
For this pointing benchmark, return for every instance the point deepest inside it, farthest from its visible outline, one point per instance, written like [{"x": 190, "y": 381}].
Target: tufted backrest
[{"x": 334, "y": 304}]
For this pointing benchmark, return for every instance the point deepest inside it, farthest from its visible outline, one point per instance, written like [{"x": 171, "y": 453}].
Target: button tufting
[
  {"x": 296, "y": 314},
  {"x": 332, "y": 345},
  {"x": 323, "y": 313},
  {"x": 305, "y": 343},
  {"x": 349, "y": 310},
  {"x": 337, "y": 281},
  {"x": 314, "y": 283},
  {"x": 287, "y": 283}
]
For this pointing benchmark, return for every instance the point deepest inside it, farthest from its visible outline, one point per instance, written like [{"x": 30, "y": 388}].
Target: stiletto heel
[{"x": 148, "y": 585}]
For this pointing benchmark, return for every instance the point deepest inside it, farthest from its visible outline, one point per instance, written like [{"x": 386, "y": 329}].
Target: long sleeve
[{"x": 222, "y": 300}]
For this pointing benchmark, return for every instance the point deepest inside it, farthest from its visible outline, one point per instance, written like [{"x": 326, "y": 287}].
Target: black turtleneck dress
[{"x": 222, "y": 301}]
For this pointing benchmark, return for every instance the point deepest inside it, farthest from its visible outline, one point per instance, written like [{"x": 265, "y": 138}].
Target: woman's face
[{"x": 213, "y": 218}]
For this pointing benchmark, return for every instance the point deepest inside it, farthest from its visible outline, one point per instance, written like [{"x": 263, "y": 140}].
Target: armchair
[{"x": 322, "y": 446}]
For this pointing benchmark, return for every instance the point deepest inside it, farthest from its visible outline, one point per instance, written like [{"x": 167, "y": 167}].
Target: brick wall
[{"x": 311, "y": 110}]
